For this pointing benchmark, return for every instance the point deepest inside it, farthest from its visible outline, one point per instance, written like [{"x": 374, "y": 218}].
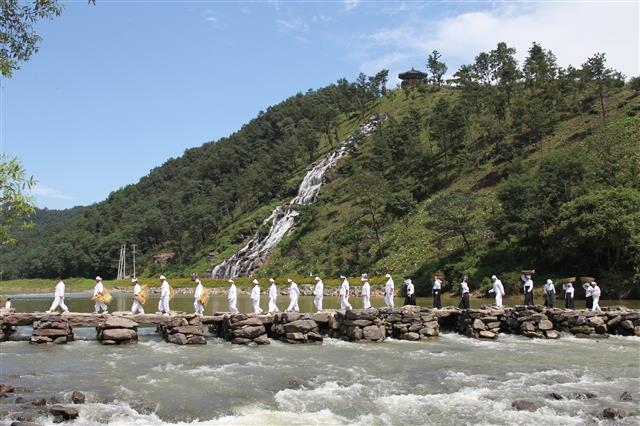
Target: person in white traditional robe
[
  {"x": 498, "y": 289},
  {"x": 165, "y": 290},
  {"x": 294, "y": 296},
  {"x": 596, "y": 296},
  {"x": 58, "y": 297},
  {"x": 197, "y": 306},
  {"x": 588, "y": 295},
  {"x": 273, "y": 296},
  {"x": 389, "y": 291},
  {"x": 99, "y": 305},
  {"x": 136, "y": 307},
  {"x": 7, "y": 303},
  {"x": 436, "y": 290},
  {"x": 411, "y": 292},
  {"x": 527, "y": 288},
  {"x": 366, "y": 293},
  {"x": 232, "y": 297},
  {"x": 255, "y": 297},
  {"x": 569, "y": 293},
  {"x": 318, "y": 294},
  {"x": 344, "y": 294},
  {"x": 464, "y": 293},
  {"x": 549, "y": 294}
]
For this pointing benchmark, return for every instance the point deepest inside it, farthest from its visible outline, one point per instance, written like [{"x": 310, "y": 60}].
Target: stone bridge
[{"x": 373, "y": 325}]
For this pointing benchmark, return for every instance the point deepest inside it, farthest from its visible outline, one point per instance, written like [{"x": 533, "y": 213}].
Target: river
[{"x": 450, "y": 380}]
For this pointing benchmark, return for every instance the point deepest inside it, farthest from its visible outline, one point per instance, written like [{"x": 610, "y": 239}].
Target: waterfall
[{"x": 253, "y": 255}]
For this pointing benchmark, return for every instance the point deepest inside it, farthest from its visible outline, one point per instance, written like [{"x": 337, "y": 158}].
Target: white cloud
[
  {"x": 209, "y": 16},
  {"x": 350, "y": 4},
  {"x": 42, "y": 191},
  {"x": 574, "y": 31},
  {"x": 293, "y": 24}
]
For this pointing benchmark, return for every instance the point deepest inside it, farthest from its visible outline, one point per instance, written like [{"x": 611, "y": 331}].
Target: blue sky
[{"x": 118, "y": 88}]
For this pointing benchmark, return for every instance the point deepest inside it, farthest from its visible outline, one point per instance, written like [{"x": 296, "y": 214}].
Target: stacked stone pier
[{"x": 358, "y": 325}]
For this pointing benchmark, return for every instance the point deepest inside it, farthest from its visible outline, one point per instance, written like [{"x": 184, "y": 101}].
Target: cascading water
[{"x": 250, "y": 257}]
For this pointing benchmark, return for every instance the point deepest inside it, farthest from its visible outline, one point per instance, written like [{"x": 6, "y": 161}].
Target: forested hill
[{"x": 505, "y": 166}]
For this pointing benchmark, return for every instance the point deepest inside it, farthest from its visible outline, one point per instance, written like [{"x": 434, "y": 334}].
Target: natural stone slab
[
  {"x": 302, "y": 326},
  {"x": 188, "y": 329},
  {"x": 119, "y": 322},
  {"x": 119, "y": 334}
]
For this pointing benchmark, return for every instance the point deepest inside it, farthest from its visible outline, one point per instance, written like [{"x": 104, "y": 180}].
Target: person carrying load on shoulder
[
  {"x": 137, "y": 297},
  {"x": 101, "y": 297}
]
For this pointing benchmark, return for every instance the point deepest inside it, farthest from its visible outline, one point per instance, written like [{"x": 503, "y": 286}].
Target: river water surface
[{"x": 450, "y": 380}]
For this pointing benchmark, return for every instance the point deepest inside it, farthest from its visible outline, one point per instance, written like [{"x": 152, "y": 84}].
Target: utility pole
[
  {"x": 134, "y": 259},
  {"x": 122, "y": 268}
]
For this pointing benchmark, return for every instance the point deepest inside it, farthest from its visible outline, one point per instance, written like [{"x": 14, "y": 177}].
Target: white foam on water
[
  {"x": 259, "y": 416},
  {"x": 468, "y": 406},
  {"x": 328, "y": 393},
  {"x": 161, "y": 347},
  {"x": 220, "y": 371},
  {"x": 168, "y": 367},
  {"x": 121, "y": 414}
]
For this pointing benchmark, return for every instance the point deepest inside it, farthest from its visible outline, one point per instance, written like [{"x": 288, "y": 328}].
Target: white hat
[
  {"x": 387, "y": 275},
  {"x": 549, "y": 281},
  {"x": 162, "y": 277},
  {"x": 493, "y": 277},
  {"x": 231, "y": 282},
  {"x": 134, "y": 280},
  {"x": 289, "y": 280},
  {"x": 317, "y": 278},
  {"x": 407, "y": 281},
  {"x": 98, "y": 278},
  {"x": 343, "y": 277},
  {"x": 271, "y": 280},
  {"x": 255, "y": 281}
]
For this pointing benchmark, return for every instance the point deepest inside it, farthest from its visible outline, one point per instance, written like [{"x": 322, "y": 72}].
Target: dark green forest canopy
[{"x": 483, "y": 174}]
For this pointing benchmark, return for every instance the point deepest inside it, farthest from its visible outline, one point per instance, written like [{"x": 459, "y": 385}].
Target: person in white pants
[
  {"x": 498, "y": 289},
  {"x": 366, "y": 293},
  {"x": 232, "y": 297},
  {"x": 318, "y": 294},
  {"x": 255, "y": 297},
  {"x": 596, "y": 296},
  {"x": 273, "y": 296},
  {"x": 163, "y": 303},
  {"x": 58, "y": 297},
  {"x": 98, "y": 305},
  {"x": 344, "y": 294},
  {"x": 389, "y": 291},
  {"x": 197, "y": 306},
  {"x": 136, "y": 307},
  {"x": 294, "y": 295}
]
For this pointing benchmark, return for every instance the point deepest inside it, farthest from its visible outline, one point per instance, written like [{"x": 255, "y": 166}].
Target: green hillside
[{"x": 502, "y": 168}]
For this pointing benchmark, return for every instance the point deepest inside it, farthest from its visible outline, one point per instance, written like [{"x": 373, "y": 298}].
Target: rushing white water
[
  {"x": 450, "y": 380},
  {"x": 254, "y": 253}
]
